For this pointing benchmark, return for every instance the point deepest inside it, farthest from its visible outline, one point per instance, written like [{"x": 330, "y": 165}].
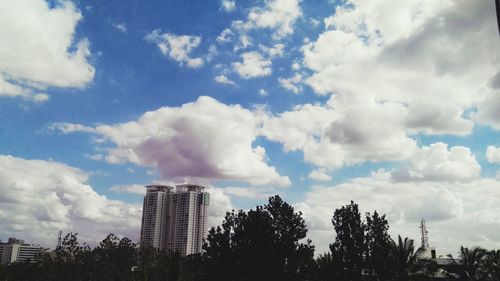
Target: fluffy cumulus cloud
[
  {"x": 319, "y": 175},
  {"x": 438, "y": 183},
  {"x": 342, "y": 132},
  {"x": 129, "y": 188},
  {"x": 293, "y": 84},
  {"x": 41, "y": 52},
  {"x": 177, "y": 47},
  {"x": 228, "y": 5},
  {"x": 39, "y": 198},
  {"x": 253, "y": 65},
  {"x": 423, "y": 54},
  {"x": 222, "y": 79},
  {"x": 200, "y": 140},
  {"x": 438, "y": 163},
  {"x": 278, "y": 15},
  {"x": 493, "y": 154}
]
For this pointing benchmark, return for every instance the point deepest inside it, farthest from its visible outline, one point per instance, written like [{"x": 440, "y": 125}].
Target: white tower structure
[
  {"x": 425, "y": 251},
  {"x": 175, "y": 220}
]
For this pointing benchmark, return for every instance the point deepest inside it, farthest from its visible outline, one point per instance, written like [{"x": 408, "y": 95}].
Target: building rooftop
[
  {"x": 159, "y": 187},
  {"x": 189, "y": 187}
]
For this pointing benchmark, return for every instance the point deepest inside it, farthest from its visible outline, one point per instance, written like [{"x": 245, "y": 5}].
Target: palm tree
[
  {"x": 471, "y": 265},
  {"x": 407, "y": 265},
  {"x": 491, "y": 265}
]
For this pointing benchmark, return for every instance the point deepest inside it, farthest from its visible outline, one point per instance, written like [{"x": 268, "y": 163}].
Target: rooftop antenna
[{"x": 424, "y": 233}]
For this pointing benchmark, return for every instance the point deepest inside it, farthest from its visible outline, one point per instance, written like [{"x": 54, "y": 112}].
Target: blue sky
[{"x": 321, "y": 102}]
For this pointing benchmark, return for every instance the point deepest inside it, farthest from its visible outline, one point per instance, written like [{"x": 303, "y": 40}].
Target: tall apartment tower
[{"x": 175, "y": 219}]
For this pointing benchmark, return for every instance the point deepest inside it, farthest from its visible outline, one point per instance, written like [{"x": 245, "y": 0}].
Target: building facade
[
  {"x": 175, "y": 218},
  {"x": 15, "y": 250}
]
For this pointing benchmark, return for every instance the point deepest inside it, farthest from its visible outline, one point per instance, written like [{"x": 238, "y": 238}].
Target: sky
[{"x": 392, "y": 104}]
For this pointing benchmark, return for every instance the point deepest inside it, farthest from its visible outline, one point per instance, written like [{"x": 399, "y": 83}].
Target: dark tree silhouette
[
  {"x": 326, "y": 269},
  {"x": 114, "y": 258},
  {"x": 492, "y": 265},
  {"x": 378, "y": 243},
  {"x": 261, "y": 244},
  {"x": 349, "y": 247},
  {"x": 471, "y": 265}
]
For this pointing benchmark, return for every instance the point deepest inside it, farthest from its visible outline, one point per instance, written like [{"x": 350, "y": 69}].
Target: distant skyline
[{"x": 392, "y": 104}]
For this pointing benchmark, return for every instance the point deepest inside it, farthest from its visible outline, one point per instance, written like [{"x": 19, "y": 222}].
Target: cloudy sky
[{"x": 393, "y": 104}]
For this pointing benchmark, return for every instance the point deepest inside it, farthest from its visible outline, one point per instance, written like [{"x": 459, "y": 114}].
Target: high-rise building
[
  {"x": 174, "y": 219},
  {"x": 16, "y": 250}
]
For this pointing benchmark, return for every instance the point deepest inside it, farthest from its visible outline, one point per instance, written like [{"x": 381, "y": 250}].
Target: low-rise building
[{"x": 16, "y": 250}]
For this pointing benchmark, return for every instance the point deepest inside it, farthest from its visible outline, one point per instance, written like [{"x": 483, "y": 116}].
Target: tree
[
  {"x": 72, "y": 261},
  {"x": 217, "y": 259},
  {"x": 403, "y": 259},
  {"x": 470, "y": 264},
  {"x": 326, "y": 268},
  {"x": 261, "y": 244},
  {"x": 379, "y": 245},
  {"x": 491, "y": 265},
  {"x": 349, "y": 247},
  {"x": 405, "y": 263},
  {"x": 114, "y": 258}
]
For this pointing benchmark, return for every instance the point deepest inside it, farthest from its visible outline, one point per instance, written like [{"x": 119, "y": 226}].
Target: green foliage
[
  {"x": 476, "y": 264},
  {"x": 349, "y": 247},
  {"x": 261, "y": 244},
  {"x": 379, "y": 248}
]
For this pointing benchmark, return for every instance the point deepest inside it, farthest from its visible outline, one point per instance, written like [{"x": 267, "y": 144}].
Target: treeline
[{"x": 264, "y": 244}]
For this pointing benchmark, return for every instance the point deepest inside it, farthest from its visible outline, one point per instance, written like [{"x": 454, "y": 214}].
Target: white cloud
[
  {"x": 200, "y": 140},
  {"x": 41, "y": 52},
  {"x": 278, "y": 15},
  {"x": 68, "y": 128},
  {"x": 319, "y": 175},
  {"x": 263, "y": 93},
  {"x": 220, "y": 203},
  {"x": 342, "y": 132},
  {"x": 488, "y": 111},
  {"x": 249, "y": 192},
  {"x": 132, "y": 189},
  {"x": 212, "y": 53},
  {"x": 38, "y": 198},
  {"x": 438, "y": 163},
  {"x": 295, "y": 66},
  {"x": 177, "y": 47},
  {"x": 293, "y": 84},
  {"x": 225, "y": 36},
  {"x": 277, "y": 50},
  {"x": 122, "y": 27},
  {"x": 493, "y": 154},
  {"x": 314, "y": 22},
  {"x": 228, "y": 5},
  {"x": 253, "y": 65},
  {"x": 224, "y": 80},
  {"x": 410, "y": 57}
]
